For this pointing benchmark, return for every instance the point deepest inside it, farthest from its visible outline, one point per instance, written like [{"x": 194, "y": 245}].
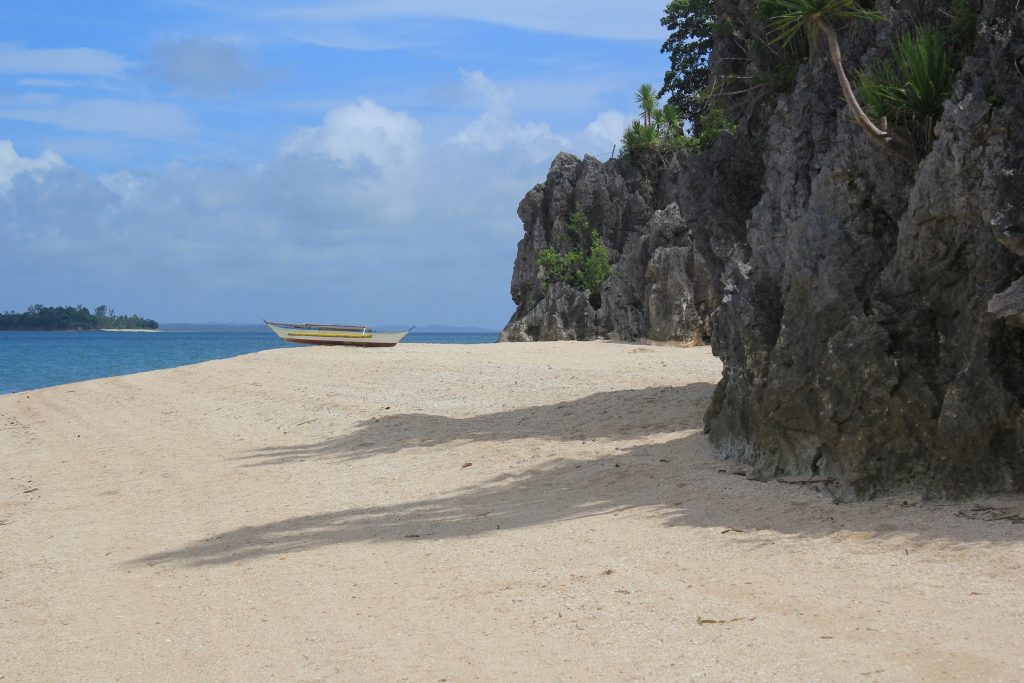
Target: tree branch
[{"x": 881, "y": 134}]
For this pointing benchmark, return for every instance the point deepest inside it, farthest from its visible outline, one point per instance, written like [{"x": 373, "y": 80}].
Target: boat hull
[
  {"x": 334, "y": 335},
  {"x": 322, "y": 342}
]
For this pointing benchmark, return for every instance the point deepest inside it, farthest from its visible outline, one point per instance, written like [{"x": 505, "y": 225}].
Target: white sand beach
[{"x": 524, "y": 512}]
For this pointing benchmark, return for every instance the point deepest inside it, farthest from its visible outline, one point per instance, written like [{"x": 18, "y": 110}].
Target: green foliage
[
  {"x": 793, "y": 18},
  {"x": 790, "y": 18},
  {"x": 878, "y": 87},
  {"x": 912, "y": 86},
  {"x": 647, "y": 101},
  {"x": 963, "y": 24},
  {"x": 39, "y": 317},
  {"x": 639, "y": 138},
  {"x": 713, "y": 122},
  {"x": 580, "y": 266},
  {"x": 784, "y": 59},
  {"x": 668, "y": 121},
  {"x": 597, "y": 267},
  {"x": 661, "y": 129},
  {"x": 692, "y": 25}
]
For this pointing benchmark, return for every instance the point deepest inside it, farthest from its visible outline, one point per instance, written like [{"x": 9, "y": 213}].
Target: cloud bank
[{"x": 369, "y": 210}]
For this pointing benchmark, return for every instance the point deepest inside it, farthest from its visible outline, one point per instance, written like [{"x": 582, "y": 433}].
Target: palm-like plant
[
  {"x": 647, "y": 101},
  {"x": 912, "y": 86},
  {"x": 671, "y": 121},
  {"x": 640, "y": 136},
  {"x": 643, "y": 133},
  {"x": 927, "y": 72},
  {"x": 790, "y": 17},
  {"x": 660, "y": 129}
]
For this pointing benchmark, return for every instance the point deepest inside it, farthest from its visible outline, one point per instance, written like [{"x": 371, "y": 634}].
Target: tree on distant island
[{"x": 54, "y": 318}]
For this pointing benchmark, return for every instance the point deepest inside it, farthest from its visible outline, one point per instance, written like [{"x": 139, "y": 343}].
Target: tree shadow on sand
[
  {"x": 675, "y": 479},
  {"x": 624, "y": 414}
]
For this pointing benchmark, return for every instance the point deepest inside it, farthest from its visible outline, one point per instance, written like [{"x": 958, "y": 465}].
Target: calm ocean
[{"x": 31, "y": 360}]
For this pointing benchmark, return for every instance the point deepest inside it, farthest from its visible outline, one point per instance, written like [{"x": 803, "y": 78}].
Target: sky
[{"x": 357, "y": 162}]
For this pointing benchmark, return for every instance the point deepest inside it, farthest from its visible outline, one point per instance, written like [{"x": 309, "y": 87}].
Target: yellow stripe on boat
[{"x": 329, "y": 334}]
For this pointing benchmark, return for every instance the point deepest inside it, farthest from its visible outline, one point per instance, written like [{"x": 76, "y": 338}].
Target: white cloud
[
  {"x": 607, "y": 128},
  {"x": 11, "y": 164},
  {"x": 378, "y": 150},
  {"x": 613, "y": 19},
  {"x": 81, "y": 61},
  {"x": 361, "y": 131},
  {"x": 143, "y": 119},
  {"x": 492, "y": 132},
  {"x": 483, "y": 89},
  {"x": 496, "y": 130},
  {"x": 345, "y": 36}
]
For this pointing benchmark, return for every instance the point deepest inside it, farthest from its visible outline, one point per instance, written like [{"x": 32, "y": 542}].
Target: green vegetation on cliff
[
  {"x": 910, "y": 88},
  {"x": 582, "y": 264},
  {"x": 896, "y": 101},
  {"x": 660, "y": 129},
  {"x": 50, "y": 318}
]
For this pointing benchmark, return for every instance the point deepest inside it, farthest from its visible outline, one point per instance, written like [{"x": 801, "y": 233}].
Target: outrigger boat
[{"x": 335, "y": 335}]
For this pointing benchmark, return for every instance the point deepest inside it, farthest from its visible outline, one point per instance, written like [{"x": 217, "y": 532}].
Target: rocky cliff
[
  {"x": 666, "y": 264},
  {"x": 868, "y": 310}
]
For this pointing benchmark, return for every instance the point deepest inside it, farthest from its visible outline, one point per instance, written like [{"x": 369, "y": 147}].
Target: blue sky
[{"x": 357, "y": 161}]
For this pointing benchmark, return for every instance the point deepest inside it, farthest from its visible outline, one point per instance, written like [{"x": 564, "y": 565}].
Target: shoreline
[
  {"x": 495, "y": 511},
  {"x": 97, "y": 329},
  {"x": 103, "y": 329}
]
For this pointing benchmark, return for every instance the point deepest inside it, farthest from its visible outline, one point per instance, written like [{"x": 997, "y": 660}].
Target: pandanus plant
[
  {"x": 669, "y": 121},
  {"x": 647, "y": 101},
  {"x": 790, "y": 17},
  {"x": 639, "y": 137},
  {"x": 913, "y": 85}
]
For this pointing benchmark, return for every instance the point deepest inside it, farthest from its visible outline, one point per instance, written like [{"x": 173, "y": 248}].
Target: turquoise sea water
[{"x": 31, "y": 360}]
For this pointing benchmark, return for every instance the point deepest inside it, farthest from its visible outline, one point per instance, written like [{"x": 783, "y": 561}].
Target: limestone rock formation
[
  {"x": 869, "y": 311},
  {"x": 669, "y": 238},
  {"x": 869, "y": 337}
]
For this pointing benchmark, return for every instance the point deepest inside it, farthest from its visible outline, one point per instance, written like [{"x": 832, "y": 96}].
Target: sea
[{"x": 32, "y": 360}]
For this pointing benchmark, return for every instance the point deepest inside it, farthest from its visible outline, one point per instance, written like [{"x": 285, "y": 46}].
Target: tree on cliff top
[{"x": 692, "y": 24}]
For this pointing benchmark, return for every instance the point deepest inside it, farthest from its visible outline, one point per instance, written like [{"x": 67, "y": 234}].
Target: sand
[{"x": 526, "y": 512}]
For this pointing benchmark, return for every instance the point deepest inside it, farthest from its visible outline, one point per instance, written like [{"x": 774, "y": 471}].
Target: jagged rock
[
  {"x": 1009, "y": 304},
  {"x": 666, "y": 261},
  {"x": 867, "y": 310},
  {"x": 857, "y": 340},
  {"x": 564, "y": 313}
]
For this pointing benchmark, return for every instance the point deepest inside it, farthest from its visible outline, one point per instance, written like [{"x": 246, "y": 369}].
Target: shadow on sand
[
  {"x": 625, "y": 414},
  {"x": 674, "y": 478}
]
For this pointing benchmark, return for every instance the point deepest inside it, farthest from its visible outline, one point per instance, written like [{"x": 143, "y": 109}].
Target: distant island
[{"x": 55, "y": 318}]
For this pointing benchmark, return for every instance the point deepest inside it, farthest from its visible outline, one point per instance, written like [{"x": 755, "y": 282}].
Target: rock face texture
[
  {"x": 869, "y": 311},
  {"x": 669, "y": 235},
  {"x": 870, "y": 338}
]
